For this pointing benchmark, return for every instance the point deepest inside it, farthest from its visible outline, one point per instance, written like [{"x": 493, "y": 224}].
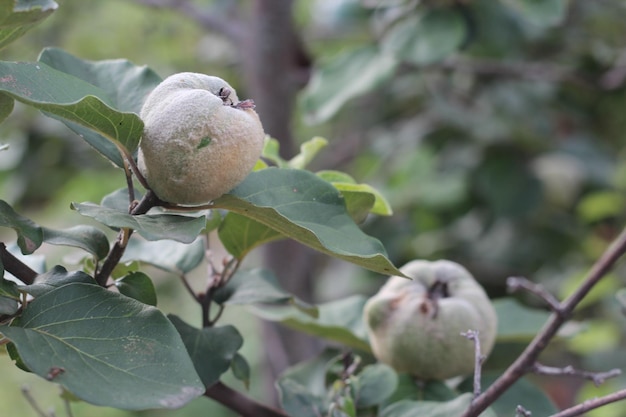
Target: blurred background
[{"x": 495, "y": 128}]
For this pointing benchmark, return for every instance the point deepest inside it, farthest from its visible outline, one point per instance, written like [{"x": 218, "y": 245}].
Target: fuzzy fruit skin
[
  {"x": 195, "y": 145},
  {"x": 411, "y": 334}
]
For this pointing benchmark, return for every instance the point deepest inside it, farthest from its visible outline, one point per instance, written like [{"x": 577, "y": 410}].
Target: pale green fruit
[
  {"x": 415, "y": 325},
  {"x": 197, "y": 145}
]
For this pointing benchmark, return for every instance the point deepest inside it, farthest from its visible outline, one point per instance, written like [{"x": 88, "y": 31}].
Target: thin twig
[
  {"x": 515, "y": 283},
  {"x": 16, "y": 267},
  {"x": 240, "y": 403},
  {"x": 478, "y": 360},
  {"x": 190, "y": 290},
  {"x": 32, "y": 402},
  {"x": 589, "y": 405},
  {"x": 597, "y": 378},
  {"x": 523, "y": 364},
  {"x": 522, "y": 412}
]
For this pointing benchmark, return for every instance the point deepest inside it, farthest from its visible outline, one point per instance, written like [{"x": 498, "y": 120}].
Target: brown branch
[
  {"x": 16, "y": 267},
  {"x": 211, "y": 20},
  {"x": 524, "y": 363},
  {"x": 589, "y": 405},
  {"x": 597, "y": 378},
  {"x": 515, "y": 283},
  {"x": 478, "y": 359},
  {"x": 148, "y": 201},
  {"x": 240, "y": 403}
]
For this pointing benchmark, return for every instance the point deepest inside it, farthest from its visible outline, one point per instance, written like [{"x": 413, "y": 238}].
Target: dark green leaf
[
  {"x": 112, "y": 350},
  {"x": 212, "y": 349},
  {"x": 119, "y": 200},
  {"x": 300, "y": 205},
  {"x": 427, "y": 38},
  {"x": 29, "y": 235},
  {"x": 66, "y": 97},
  {"x": 258, "y": 286},
  {"x": 240, "y": 234},
  {"x": 139, "y": 286},
  {"x": 84, "y": 237},
  {"x": 167, "y": 255},
  {"x": 374, "y": 385},
  {"x": 410, "y": 389},
  {"x": 241, "y": 369},
  {"x": 55, "y": 278},
  {"x": 298, "y": 401},
  {"x": 8, "y": 305},
  {"x": 17, "y": 17},
  {"x": 6, "y": 107},
  {"x": 340, "y": 321},
  {"x": 353, "y": 73},
  {"x": 151, "y": 226},
  {"x": 9, "y": 294},
  {"x": 543, "y": 13},
  {"x": 454, "y": 407},
  {"x": 516, "y": 322}
]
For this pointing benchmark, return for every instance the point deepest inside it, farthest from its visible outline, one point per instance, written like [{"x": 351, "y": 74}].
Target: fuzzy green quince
[
  {"x": 415, "y": 325},
  {"x": 199, "y": 140}
]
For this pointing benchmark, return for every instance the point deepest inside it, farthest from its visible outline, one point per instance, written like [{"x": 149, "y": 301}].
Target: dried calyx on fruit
[
  {"x": 415, "y": 325},
  {"x": 199, "y": 140}
]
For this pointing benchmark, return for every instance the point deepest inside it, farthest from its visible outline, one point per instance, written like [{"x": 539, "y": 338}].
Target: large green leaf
[
  {"x": 139, "y": 286},
  {"x": 29, "y": 234},
  {"x": 212, "y": 349},
  {"x": 301, "y": 206},
  {"x": 105, "y": 348},
  {"x": 18, "y": 16},
  {"x": 85, "y": 237},
  {"x": 151, "y": 226},
  {"x": 351, "y": 74},
  {"x": 240, "y": 234},
  {"x": 340, "y": 321},
  {"x": 55, "y": 278},
  {"x": 167, "y": 255},
  {"x": 454, "y": 407},
  {"x": 374, "y": 384},
  {"x": 76, "y": 101},
  {"x": 428, "y": 38}
]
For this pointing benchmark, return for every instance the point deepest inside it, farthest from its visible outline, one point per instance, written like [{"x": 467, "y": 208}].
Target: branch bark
[
  {"x": 16, "y": 267},
  {"x": 240, "y": 403}
]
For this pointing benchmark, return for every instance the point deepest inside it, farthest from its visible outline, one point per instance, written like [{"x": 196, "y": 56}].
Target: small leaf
[
  {"x": 271, "y": 152},
  {"x": 151, "y": 226},
  {"x": 55, "y": 278},
  {"x": 298, "y": 401},
  {"x": 139, "y": 286},
  {"x": 454, "y": 407},
  {"x": 6, "y": 108},
  {"x": 375, "y": 383},
  {"x": 8, "y": 288},
  {"x": 29, "y": 234},
  {"x": 8, "y": 305},
  {"x": 340, "y": 321},
  {"x": 410, "y": 389},
  {"x": 301, "y": 206},
  {"x": 167, "y": 255},
  {"x": 353, "y": 73},
  {"x": 212, "y": 349},
  {"x": 240, "y": 234},
  {"x": 112, "y": 350},
  {"x": 71, "y": 99},
  {"x": 347, "y": 185},
  {"x": 17, "y": 17},
  {"x": 308, "y": 151},
  {"x": 257, "y": 286},
  {"x": 84, "y": 237},
  {"x": 427, "y": 38},
  {"x": 241, "y": 369},
  {"x": 544, "y": 13}
]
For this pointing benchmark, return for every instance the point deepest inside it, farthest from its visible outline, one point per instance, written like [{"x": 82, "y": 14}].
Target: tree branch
[
  {"x": 16, "y": 267},
  {"x": 589, "y": 405},
  {"x": 597, "y": 378},
  {"x": 240, "y": 403},
  {"x": 524, "y": 363},
  {"x": 515, "y": 283},
  {"x": 478, "y": 359}
]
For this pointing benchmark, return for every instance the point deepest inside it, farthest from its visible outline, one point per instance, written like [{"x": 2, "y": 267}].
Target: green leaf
[
  {"x": 212, "y": 349},
  {"x": 374, "y": 385},
  {"x": 8, "y": 288},
  {"x": 139, "y": 286},
  {"x": 112, "y": 350},
  {"x": 258, "y": 286},
  {"x": 6, "y": 107},
  {"x": 8, "y": 305},
  {"x": 85, "y": 237},
  {"x": 17, "y": 17},
  {"x": 300, "y": 205},
  {"x": 271, "y": 152},
  {"x": 151, "y": 226},
  {"x": 71, "y": 99},
  {"x": 241, "y": 369},
  {"x": 340, "y": 321},
  {"x": 353, "y": 73},
  {"x": 240, "y": 234},
  {"x": 542, "y": 13},
  {"x": 167, "y": 255},
  {"x": 308, "y": 151},
  {"x": 428, "y": 38},
  {"x": 454, "y": 407},
  {"x": 350, "y": 189},
  {"x": 123, "y": 82},
  {"x": 410, "y": 389},
  {"x": 516, "y": 322},
  {"x": 55, "y": 278},
  {"x": 298, "y": 401},
  {"x": 29, "y": 235}
]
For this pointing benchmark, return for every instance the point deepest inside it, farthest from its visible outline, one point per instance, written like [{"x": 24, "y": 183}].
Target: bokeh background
[{"x": 495, "y": 128}]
